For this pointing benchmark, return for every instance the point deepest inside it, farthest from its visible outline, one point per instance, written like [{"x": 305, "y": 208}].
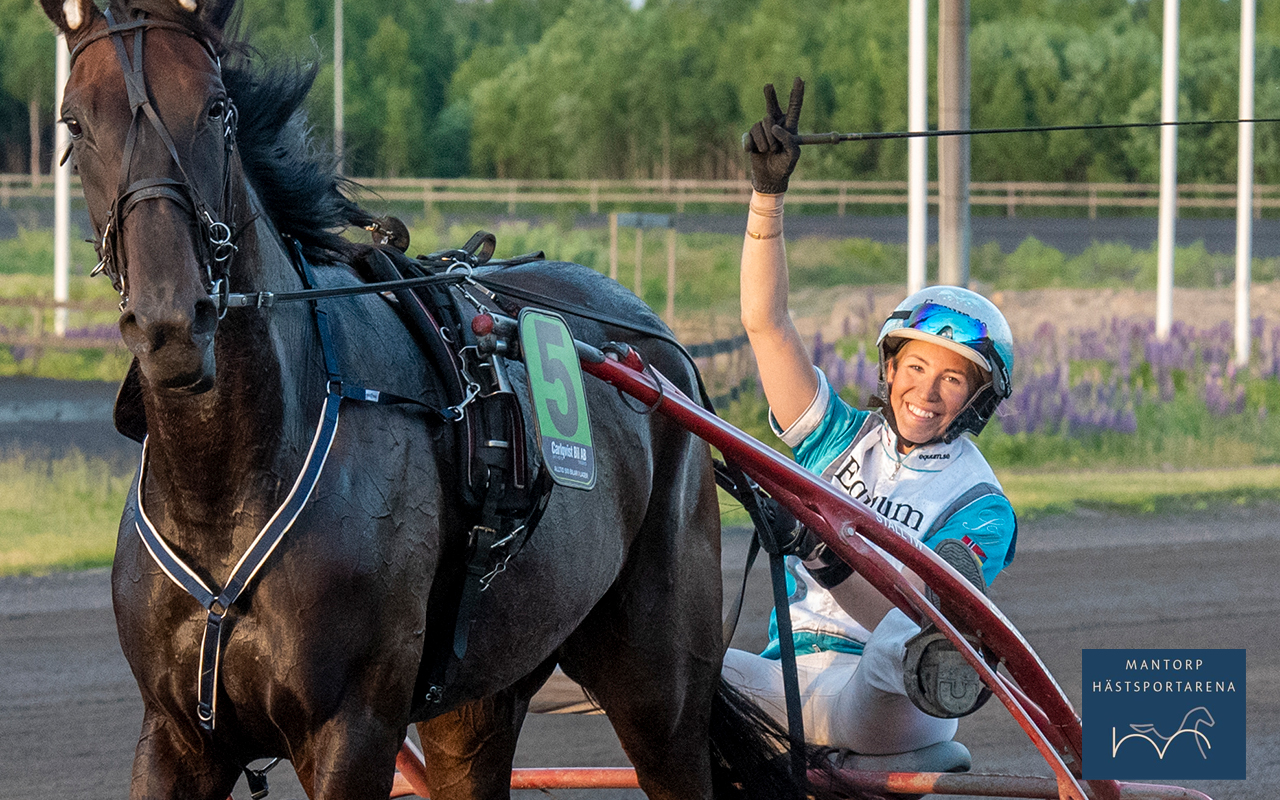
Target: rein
[
  {"x": 215, "y": 246},
  {"x": 459, "y": 265}
]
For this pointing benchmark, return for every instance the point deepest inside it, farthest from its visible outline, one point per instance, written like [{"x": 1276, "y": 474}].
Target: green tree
[{"x": 27, "y": 64}]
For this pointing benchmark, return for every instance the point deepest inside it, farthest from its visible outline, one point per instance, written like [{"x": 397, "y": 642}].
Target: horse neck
[{"x": 220, "y": 463}]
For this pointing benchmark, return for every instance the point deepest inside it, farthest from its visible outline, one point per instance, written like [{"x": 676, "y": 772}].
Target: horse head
[{"x": 152, "y": 137}]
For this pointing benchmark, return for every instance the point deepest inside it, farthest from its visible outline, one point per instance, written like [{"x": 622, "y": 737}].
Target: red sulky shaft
[{"x": 847, "y": 526}]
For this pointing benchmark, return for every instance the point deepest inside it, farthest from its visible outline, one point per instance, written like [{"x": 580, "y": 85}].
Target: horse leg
[
  {"x": 351, "y": 756},
  {"x": 174, "y": 763},
  {"x": 469, "y": 751},
  {"x": 650, "y": 651}
]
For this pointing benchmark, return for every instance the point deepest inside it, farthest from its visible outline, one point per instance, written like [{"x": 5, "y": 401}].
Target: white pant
[{"x": 853, "y": 702}]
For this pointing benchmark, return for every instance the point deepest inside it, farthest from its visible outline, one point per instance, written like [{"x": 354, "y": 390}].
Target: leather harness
[{"x": 506, "y": 496}]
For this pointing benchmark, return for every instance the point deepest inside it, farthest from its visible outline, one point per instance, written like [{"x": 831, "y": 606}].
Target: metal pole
[
  {"x": 339, "y": 147},
  {"x": 671, "y": 276},
  {"x": 1244, "y": 181},
  {"x": 639, "y": 255},
  {"x": 613, "y": 245},
  {"x": 953, "y": 152},
  {"x": 1168, "y": 173},
  {"x": 917, "y": 149},
  {"x": 61, "y": 193}
]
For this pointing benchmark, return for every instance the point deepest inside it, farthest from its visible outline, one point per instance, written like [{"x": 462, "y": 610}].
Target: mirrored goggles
[{"x": 939, "y": 320}]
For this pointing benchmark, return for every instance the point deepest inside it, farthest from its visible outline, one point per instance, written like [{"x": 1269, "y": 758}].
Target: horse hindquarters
[{"x": 650, "y": 650}]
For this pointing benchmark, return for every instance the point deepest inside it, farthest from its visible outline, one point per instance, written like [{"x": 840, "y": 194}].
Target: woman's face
[{"x": 928, "y": 386}]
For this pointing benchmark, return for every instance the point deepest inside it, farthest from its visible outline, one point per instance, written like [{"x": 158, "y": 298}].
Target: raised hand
[{"x": 772, "y": 141}]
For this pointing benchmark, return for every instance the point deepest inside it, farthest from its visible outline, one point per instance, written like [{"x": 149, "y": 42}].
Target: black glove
[
  {"x": 790, "y": 538},
  {"x": 771, "y": 141}
]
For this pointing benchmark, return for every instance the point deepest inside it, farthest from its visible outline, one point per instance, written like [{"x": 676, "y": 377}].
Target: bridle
[{"x": 215, "y": 244}]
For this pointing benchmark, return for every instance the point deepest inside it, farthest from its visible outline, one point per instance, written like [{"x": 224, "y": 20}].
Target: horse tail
[{"x": 749, "y": 759}]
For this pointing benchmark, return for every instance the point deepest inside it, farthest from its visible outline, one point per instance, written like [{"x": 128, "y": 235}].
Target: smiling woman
[
  {"x": 946, "y": 355},
  {"x": 931, "y": 385}
]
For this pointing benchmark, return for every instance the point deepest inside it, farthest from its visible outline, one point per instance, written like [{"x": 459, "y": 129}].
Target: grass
[
  {"x": 63, "y": 513},
  {"x": 58, "y": 513},
  {"x": 65, "y": 364},
  {"x": 1038, "y": 494}
]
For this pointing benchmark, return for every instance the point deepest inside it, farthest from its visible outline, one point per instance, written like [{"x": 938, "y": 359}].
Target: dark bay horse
[{"x": 194, "y": 171}]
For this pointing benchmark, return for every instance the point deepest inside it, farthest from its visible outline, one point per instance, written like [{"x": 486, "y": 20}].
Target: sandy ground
[{"x": 69, "y": 710}]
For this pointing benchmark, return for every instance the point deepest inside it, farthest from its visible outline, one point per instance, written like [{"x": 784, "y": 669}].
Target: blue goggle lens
[{"x": 948, "y": 323}]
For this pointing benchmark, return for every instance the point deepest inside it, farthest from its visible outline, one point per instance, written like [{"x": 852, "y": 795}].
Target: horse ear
[{"x": 73, "y": 17}]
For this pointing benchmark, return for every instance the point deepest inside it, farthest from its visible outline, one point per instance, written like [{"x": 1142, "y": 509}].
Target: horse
[{"x": 200, "y": 177}]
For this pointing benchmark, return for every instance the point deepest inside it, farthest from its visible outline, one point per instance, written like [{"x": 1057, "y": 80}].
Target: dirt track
[{"x": 69, "y": 711}]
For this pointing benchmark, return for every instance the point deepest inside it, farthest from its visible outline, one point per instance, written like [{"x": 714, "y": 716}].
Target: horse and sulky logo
[{"x": 1158, "y": 714}]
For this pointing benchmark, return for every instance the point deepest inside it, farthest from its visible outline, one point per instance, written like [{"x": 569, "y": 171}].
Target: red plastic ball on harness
[{"x": 482, "y": 324}]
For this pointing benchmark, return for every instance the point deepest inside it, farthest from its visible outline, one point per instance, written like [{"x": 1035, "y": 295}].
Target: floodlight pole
[
  {"x": 338, "y": 110},
  {"x": 61, "y": 193},
  {"x": 953, "y": 152},
  {"x": 1244, "y": 182},
  {"x": 917, "y": 149},
  {"x": 1168, "y": 173}
]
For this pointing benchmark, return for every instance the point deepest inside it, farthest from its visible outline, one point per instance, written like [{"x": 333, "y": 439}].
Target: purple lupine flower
[{"x": 838, "y": 376}]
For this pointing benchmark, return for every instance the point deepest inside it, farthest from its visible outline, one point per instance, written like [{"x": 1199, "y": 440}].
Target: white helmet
[{"x": 962, "y": 321}]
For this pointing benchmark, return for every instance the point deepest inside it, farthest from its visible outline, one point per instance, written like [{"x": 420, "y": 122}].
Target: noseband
[{"x": 214, "y": 245}]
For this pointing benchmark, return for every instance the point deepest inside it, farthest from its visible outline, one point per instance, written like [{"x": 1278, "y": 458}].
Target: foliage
[
  {"x": 1116, "y": 397},
  {"x": 26, "y": 76},
  {"x": 596, "y": 88}
]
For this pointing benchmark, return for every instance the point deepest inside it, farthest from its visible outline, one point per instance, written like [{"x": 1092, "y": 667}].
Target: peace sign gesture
[{"x": 772, "y": 143}]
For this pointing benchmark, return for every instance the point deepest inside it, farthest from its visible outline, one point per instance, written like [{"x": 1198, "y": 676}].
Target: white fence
[{"x": 1012, "y": 196}]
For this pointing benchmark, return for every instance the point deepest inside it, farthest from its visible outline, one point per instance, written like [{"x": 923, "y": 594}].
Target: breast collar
[{"x": 219, "y": 602}]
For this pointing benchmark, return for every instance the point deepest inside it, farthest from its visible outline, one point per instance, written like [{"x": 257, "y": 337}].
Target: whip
[{"x": 834, "y": 138}]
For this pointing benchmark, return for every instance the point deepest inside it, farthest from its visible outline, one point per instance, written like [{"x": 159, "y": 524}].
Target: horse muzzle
[{"x": 173, "y": 344}]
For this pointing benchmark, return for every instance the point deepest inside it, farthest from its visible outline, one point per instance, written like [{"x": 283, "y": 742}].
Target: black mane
[{"x": 297, "y": 182}]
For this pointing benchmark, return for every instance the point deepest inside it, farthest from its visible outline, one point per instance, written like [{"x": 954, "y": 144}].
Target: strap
[
  {"x": 607, "y": 319},
  {"x": 782, "y": 608},
  {"x": 136, "y": 84},
  {"x": 347, "y": 389},
  {"x": 730, "y": 624},
  {"x": 249, "y": 564},
  {"x": 790, "y": 672},
  {"x": 113, "y": 29},
  {"x": 322, "y": 318}
]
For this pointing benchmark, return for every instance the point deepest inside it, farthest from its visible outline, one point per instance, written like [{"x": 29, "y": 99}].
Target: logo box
[{"x": 1163, "y": 714}]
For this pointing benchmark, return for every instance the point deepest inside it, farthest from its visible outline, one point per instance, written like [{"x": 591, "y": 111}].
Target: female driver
[{"x": 945, "y": 358}]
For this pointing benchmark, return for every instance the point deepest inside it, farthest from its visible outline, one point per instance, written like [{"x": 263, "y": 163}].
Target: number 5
[{"x": 553, "y": 372}]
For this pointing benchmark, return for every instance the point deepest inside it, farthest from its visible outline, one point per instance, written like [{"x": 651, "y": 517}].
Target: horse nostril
[
  {"x": 206, "y": 318},
  {"x": 129, "y": 329}
]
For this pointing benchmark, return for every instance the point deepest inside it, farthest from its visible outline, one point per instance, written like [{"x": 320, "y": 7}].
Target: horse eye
[
  {"x": 73, "y": 127},
  {"x": 218, "y": 110}
]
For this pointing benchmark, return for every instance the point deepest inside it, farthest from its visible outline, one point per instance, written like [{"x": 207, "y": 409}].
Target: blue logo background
[{"x": 1161, "y": 714}]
